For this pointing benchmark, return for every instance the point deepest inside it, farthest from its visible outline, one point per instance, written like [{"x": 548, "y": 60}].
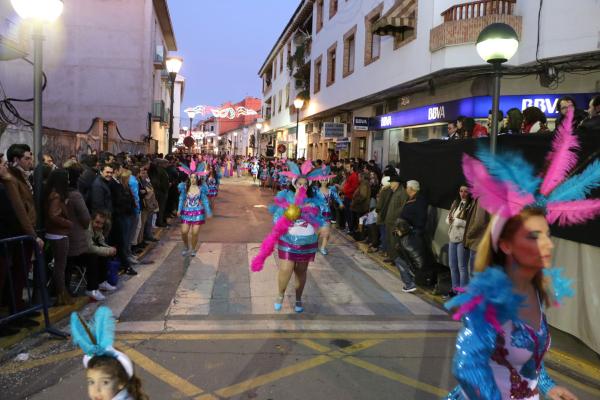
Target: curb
[{"x": 572, "y": 366}]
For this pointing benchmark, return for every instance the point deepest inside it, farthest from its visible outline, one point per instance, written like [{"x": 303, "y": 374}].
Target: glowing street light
[
  {"x": 298, "y": 104},
  {"x": 496, "y": 44},
  {"x": 173, "y": 67},
  {"x": 38, "y": 10}
]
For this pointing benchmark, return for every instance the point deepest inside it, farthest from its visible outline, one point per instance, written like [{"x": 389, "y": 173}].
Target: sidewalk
[{"x": 567, "y": 354}]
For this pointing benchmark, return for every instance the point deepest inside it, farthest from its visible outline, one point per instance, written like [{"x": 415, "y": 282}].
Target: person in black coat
[
  {"x": 123, "y": 206},
  {"x": 100, "y": 198}
]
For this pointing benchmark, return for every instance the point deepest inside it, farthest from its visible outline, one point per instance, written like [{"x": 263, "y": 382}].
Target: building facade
[
  {"x": 99, "y": 62},
  {"x": 285, "y": 74},
  {"x": 392, "y": 70}
]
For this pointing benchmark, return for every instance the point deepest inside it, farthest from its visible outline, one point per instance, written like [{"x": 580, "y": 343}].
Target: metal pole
[
  {"x": 495, "y": 106},
  {"x": 172, "y": 75},
  {"x": 297, "y": 126},
  {"x": 38, "y": 38}
]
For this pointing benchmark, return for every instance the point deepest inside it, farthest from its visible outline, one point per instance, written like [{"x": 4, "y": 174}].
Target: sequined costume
[
  {"x": 193, "y": 208},
  {"x": 300, "y": 243},
  {"x": 498, "y": 356},
  {"x": 213, "y": 189},
  {"x": 325, "y": 200},
  {"x": 264, "y": 173}
]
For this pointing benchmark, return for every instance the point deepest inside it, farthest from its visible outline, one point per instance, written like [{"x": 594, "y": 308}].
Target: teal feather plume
[
  {"x": 510, "y": 167},
  {"x": 579, "y": 186},
  {"x": 81, "y": 337},
  {"x": 561, "y": 285},
  {"x": 104, "y": 327}
]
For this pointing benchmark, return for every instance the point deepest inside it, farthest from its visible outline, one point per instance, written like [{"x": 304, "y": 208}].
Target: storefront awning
[{"x": 393, "y": 26}]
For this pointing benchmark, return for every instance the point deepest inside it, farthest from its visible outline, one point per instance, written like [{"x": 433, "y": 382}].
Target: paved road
[{"x": 204, "y": 328}]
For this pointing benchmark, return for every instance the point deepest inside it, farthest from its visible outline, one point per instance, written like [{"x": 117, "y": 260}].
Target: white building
[
  {"x": 361, "y": 69},
  {"x": 102, "y": 58},
  {"x": 286, "y": 75}
]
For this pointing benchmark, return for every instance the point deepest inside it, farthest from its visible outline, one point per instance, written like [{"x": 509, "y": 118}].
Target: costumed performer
[
  {"x": 264, "y": 174},
  {"x": 194, "y": 207},
  {"x": 297, "y": 219},
  {"x": 500, "y": 349},
  {"x": 110, "y": 373},
  {"x": 326, "y": 194},
  {"x": 213, "y": 188},
  {"x": 254, "y": 170}
]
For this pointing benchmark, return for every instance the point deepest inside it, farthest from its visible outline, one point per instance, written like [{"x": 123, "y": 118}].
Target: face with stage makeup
[
  {"x": 301, "y": 182},
  {"x": 193, "y": 179},
  {"x": 529, "y": 246}
]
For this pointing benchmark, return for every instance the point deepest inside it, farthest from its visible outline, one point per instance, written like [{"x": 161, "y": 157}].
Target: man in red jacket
[{"x": 350, "y": 186}]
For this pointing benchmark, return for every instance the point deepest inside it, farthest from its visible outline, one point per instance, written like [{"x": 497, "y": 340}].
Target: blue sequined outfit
[{"x": 193, "y": 208}]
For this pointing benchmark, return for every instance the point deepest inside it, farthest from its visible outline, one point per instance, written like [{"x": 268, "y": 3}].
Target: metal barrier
[{"x": 16, "y": 246}]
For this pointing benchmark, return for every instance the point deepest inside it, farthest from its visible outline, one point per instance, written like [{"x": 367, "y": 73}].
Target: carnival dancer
[
  {"x": 275, "y": 178},
  {"x": 283, "y": 179},
  {"x": 110, "y": 373},
  {"x": 297, "y": 219},
  {"x": 213, "y": 188},
  {"x": 254, "y": 170},
  {"x": 501, "y": 348},
  {"x": 326, "y": 194},
  {"x": 264, "y": 174},
  {"x": 194, "y": 207}
]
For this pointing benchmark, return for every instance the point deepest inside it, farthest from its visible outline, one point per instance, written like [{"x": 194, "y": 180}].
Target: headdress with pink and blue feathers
[
  {"x": 196, "y": 169},
  {"x": 306, "y": 171}
]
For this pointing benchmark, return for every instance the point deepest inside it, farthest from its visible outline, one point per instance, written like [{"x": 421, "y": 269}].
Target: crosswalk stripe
[{"x": 195, "y": 290}]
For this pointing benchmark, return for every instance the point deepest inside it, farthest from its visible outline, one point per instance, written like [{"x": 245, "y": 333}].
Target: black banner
[{"x": 436, "y": 164}]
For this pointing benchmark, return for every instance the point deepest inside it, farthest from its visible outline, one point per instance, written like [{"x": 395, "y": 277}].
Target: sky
[{"x": 224, "y": 43}]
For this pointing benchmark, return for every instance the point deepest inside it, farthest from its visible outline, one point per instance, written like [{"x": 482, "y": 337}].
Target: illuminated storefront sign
[{"x": 476, "y": 107}]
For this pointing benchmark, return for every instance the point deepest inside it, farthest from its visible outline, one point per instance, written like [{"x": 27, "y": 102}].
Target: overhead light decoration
[{"x": 227, "y": 112}]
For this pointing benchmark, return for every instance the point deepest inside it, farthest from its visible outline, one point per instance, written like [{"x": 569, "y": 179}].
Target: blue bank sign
[{"x": 476, "y": 107}]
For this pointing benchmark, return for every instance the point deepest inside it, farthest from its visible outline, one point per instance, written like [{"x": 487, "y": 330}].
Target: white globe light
[
  {"x": 191, "y": 114},
  {"x": 42, "y": 10},
  {"x": 174, "y": 64},
  {"x": 497, "y": 43},
  {"x": 298, "y": 103}
]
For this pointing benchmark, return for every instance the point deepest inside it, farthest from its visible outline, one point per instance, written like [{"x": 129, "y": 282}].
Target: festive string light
[{"x": 228, "y": 112}]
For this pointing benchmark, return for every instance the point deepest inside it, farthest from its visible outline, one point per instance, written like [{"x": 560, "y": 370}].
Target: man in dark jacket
[
  {"x": 87, "y": 177},
  {"x": 100, "y": 196},
  {"x": 160, "y": 181},
  {"x": 592, "y": 123},
  {"x": 392, "y": 214}
]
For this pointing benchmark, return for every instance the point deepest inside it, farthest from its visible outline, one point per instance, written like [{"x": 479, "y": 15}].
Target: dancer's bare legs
[
  {"x": 185, "y": 229},
  {"x": 195, "y": 235},
  {"x": 324, "y": 234},
  {"x": 301, "y": 272}
]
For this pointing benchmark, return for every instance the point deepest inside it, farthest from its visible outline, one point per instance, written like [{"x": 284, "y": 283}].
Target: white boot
[{"x": 95, "y": 294}]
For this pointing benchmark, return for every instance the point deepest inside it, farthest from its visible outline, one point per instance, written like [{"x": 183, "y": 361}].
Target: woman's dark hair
[
  {"x": 74, "y": 172},
  {"x": 515, "y": 120},
  {"x": 468, "y": 126},
  {"x": 112, "y": 367},
  {"x": 58, "y": 181},
  {"x": 531, "y": 115}
]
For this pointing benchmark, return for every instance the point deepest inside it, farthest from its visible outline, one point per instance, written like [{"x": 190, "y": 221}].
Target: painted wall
[{"x": 98, "y": 57}]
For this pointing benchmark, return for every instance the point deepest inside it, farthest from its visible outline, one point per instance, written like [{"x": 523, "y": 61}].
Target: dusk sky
[{"x": 224, "y": 43}]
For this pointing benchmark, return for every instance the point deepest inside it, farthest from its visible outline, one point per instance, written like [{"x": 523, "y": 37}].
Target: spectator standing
[
  {"x": 489, "y": 121},
  {"x": 100, "y": 198},
  {"x": 123, "y": 214},
  {"x": 534, "y": 121},
  {"x": 160, "y": 182},
  {"x": 349, "y": 187},
  {"x": 592, "y": 122},
  {"x": 360, "y": 200},
  {"x": 476, "y": 223},
  {"x": 383, "y": 199},
  {"x": 513, "y": 122},
  {"x": 87, "y": 177},
  {"x": 58, "y": 226},
  {"x": 149, "y": 206},
  {"x": 136, "y": 222},
  {"x": 453, "y": 133},
  {"x": 563, "y": 106},
  {"x": 458, "y": 255},
  {"x": 392, "y": 213}
]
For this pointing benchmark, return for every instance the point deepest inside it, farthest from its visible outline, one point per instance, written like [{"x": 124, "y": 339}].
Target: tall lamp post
[
  {"x": 39, "y": 13},
  {"x": 298, "y": 103},
  {"x": 191, "y": 115},
  {"x": 234, "y": 143},
  {"x": 496, "y": 44},
  {"x": 173, "y": 66}
]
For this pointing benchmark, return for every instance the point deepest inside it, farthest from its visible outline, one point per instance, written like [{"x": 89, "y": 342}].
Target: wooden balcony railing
[{"x": 477, "y": 9}]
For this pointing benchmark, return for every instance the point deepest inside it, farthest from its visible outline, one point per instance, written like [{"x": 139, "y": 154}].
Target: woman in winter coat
[
  {"x": 458, "y": 255},
  {"x": 360, "y": 199},
  {"x": 58, "y": 226}
]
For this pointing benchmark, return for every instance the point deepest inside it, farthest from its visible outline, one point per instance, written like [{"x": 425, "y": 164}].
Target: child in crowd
[{"x": 110, "y": 373}]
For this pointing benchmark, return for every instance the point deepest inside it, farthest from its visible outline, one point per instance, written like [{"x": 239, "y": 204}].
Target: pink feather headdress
[
  {"x": 193, "y": 169},
  {"x": 505, "y": 184},
  {"x": 307, "y": 171}
]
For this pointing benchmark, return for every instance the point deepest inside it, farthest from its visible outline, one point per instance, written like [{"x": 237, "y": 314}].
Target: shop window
[
  {"x": 275, "y": 68},
  {"x": 318, "y": 67},
  {"x": 280, "y": 100},
  {"x": 319, "y": 5},
  {"x": 287, "y": 96},
  {"x": 333, "y": 8},
  {"x": 281, "y": 61},
  {"x": 331, "y": 60},
  {"x": 349, "y": 51},
  {"x": 372, "y": 41}
]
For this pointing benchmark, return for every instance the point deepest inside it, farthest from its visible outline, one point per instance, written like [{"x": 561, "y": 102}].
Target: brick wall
[{"x": 466, "y": 31}]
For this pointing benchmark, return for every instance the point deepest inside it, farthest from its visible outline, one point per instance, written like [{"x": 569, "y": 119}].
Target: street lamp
[
  {"x": 39, "y": 12},
  {"x": 173, "y": 67},
  {"x": 191, "y": 114},
  {"x": 496, "y": 44},
  {"x": 298, "y": 103},
  {"x": 234, "y": 143}
]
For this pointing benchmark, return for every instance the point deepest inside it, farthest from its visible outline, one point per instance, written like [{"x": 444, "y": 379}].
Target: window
[
  {"x": 275, "y": 68},
  {"x": 289, "y": 50},
  {"x": 331, "y": 59},
  {"x": 333, "y": 7},
  {"x": 318, "y": 65},
  {"x": 280, "y": 100},
  {"x": 281, "y": 61},
  {"x": 287, "y": 96},
  {"x": 349, "y": 51},
  {"x": 274, "y": 108},
  {"x": 319, "y": 6},
  {"x": 372, "y": 41}
]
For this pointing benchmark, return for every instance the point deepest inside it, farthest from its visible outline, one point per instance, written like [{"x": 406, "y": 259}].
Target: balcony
[
  {"x": 160, "y": 112},
  {"x": 463, "y": 22},
  {"x": 160, "y": 56}
]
